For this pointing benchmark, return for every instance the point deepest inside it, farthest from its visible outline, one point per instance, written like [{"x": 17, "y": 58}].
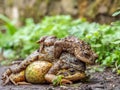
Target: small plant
[{"x": 57, "y": 80}]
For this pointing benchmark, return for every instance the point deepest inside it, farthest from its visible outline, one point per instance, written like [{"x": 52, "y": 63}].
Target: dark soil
[{"x": 98, "y": 81}]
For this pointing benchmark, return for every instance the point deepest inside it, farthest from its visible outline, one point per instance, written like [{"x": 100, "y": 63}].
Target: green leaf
[
  {"x": 116, "y": 42},
  {"x": 118, "y": 72},
  {"x": 9, "y": 24}
]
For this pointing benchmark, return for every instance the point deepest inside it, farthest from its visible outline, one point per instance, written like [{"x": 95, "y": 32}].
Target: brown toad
[{"x": 77, "y": 47}]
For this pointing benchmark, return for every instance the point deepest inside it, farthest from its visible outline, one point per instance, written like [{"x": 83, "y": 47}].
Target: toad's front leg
[{"x": 77, "y": 76}]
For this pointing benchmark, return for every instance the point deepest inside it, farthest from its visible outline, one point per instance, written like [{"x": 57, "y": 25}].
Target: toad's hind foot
[
  {"x": 5, "y": 76},
  {"x": 77, "y": 76},
  {"x": 5, "y": 80}
]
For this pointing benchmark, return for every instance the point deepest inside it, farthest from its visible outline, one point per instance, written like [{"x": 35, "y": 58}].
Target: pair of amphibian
[{"x": 68, "y": 57}]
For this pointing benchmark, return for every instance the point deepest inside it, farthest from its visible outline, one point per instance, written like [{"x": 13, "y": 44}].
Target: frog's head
[{"x": 47, "y": 40}]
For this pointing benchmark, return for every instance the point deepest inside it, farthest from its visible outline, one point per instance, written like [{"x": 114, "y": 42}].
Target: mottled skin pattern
[
  {"x": 68, "y": 61},
  {"x": 77, "y": 47},
  {"x": 40, "y": 54},
  {"x": 69, "y": 66},
  {"x": 52, "y": 48}
]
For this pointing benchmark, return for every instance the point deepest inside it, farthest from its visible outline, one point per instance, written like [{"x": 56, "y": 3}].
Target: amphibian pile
[{"x": 64, "y": 58}]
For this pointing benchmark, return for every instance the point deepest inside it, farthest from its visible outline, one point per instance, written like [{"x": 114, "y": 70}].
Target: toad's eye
[
  {"x": 76, "y": 60},
  {"x": 88, "y": 47},
  {"x": 72, "y": 70},
  {"x": 85, "y": 52}
]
